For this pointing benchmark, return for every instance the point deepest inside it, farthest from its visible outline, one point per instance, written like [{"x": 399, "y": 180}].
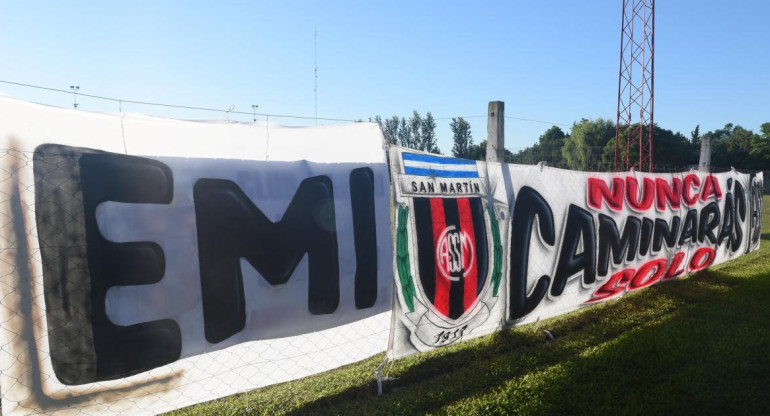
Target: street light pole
[
  {"x": 254, "y": 110},
  {"x": 75, "y": 89}
]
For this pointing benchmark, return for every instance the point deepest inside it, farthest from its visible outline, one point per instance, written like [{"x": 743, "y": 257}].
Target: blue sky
[{"x": 548, "y": 60}]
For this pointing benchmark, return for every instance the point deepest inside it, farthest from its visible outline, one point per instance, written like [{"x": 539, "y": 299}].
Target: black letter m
[{"x": 231, "y": 227}]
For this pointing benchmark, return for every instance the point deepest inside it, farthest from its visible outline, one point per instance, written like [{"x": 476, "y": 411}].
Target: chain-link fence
[
  {"x": 599, "y": 159},
  {"x": 87, "y": 332},
  {"x": 584, "y": 158},
  {"x": 72, "y": 340}
]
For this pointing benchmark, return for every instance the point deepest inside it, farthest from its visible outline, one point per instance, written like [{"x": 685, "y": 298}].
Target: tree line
[
  {"x": 590, "y": 144},
  {"x": 416, "y": 132}
]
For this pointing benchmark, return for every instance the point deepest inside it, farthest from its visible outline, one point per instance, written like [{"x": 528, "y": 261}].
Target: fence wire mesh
[
  {"x": 40, "y": 321},
  {"x": 43, "y": 369}
]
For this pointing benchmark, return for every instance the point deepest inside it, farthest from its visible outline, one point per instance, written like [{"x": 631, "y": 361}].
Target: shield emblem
[{"x": 452, "y": 252}]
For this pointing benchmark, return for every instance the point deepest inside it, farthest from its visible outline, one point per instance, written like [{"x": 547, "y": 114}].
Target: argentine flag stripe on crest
[{"x": 440, "y": 167}]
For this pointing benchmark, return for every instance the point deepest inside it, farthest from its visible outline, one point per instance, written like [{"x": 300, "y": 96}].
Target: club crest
[
  {"x": 452, "y": 252},
  {"x": 448, "y": 248}
]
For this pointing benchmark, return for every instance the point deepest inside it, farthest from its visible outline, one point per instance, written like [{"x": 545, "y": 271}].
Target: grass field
[{"x": 699, "y": 345}]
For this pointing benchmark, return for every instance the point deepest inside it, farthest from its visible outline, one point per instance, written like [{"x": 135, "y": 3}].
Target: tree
[
  {"x": 428, "y": 134},
  {"x": 695, "y": 135},
  {"x": 759, "y": 155},
  {"x": 404, "y": 133},
  {"x": 462, "y": 138},
  {"x": 672, "y": 151},
  {"x": 548, "y": 147},
  {"x": 390, "y": 127},
  {"x": 738, "y": 146},
  {"x": 730, "y": 146},
  {"x": 414, "y": 130},
  {"x": 478, "y": 152},
  {"x": 583, "y": 149}
]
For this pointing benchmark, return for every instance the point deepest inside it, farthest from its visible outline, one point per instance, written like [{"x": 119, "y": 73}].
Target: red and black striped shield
[{"x": 452, "y": 252}]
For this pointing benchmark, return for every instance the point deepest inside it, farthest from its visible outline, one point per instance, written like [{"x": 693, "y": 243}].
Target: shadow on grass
[
  {"x": 695, "y": 346},
  {"x": 710, "y": 358},
  {"x": 457, "y": 376}
]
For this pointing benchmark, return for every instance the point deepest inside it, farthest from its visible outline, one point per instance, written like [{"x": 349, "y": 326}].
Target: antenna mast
[
  {"x": 636, "y": 85},
  {"x": 315, "y": 63}
]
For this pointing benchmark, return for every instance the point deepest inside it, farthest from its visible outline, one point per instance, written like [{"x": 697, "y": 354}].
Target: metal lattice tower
[{"x": 635, "y": 126}]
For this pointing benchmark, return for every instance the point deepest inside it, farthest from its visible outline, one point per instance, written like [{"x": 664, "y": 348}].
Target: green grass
[{"x": 699, "y": 345}]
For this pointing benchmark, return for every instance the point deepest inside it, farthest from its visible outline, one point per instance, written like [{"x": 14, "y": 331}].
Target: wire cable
[
  {"x": 538, "y": 121},
  {"x": 186, "y": 107},
  {"x": 232, "y": 111}
]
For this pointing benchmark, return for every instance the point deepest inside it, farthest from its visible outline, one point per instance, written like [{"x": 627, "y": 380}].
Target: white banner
[
  {"x": 565, "y": 240},
  {"x": 150, "y": 264},
  {"x": 598, "y": 236}
]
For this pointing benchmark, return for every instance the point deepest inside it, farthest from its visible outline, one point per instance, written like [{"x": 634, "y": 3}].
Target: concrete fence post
[
  {"x": 496, "y": 132},
  {"x": 704, "y": 164}
]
